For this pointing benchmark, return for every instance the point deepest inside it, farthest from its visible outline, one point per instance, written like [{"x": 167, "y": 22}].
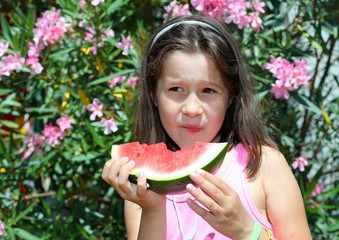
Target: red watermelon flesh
[{"x": 167, "y": 171}]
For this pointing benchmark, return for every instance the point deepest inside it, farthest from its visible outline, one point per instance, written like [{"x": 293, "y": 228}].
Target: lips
[{"x": 192, "y": 128}]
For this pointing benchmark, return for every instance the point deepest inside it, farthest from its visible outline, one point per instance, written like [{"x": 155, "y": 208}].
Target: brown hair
[{"x": 242, "y": 121}]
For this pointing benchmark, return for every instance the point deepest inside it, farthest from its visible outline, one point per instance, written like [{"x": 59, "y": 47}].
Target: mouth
[{"x": 192, "y": 128}]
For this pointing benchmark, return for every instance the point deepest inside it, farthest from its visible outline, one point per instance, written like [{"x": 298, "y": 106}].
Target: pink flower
[
  {"x": 176, "y": 10},
  {"x": 290, "y": 76},
  {"x": 255, "y": 20},
  {"x": 300, "y": 162},
  {"x": 50, "y": 28},
  {"x": 259, "y": 6},
  {"x": 52, "y": 134},
  {"x": 97, "y": 2},
  {"x": 96, "y": 108},
  {"x": 132, "y": 81},
  {"x": 35, "y": 66},
  {"x": 34, "y": 49},
  {"x": 319, "y": 188},
  {"x": 125, "y": 44},
  {"x": 240, "y": 12},
  {"x": 82, "y": 3},
  {"x": 3, "y": 47},
  {"x": 11, "y": 63},
  {"x": 64, "y": 123},
  {"x": 2, "y": 228},
  {"x": 211, "y": 8},
  {"x": 110, "y": 125},
  {"x": 107, "y": 33},
  {"x": 35, "y": 144},
  {"x": 89, "y": 36},
  {"x": 114, "y": 81},
  {"x": 280, "y": 90}
]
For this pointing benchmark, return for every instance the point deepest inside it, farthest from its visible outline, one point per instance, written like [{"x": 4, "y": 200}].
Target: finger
[
  {"x": 112, "y": 171},
  {"x": 204, "y": 199},
  {"x": 141, "y": 185},
  {"x": 107, "y": 168},
  {"x": 219, "y": 183},
  {"x": 208, "y": 187},
  {"x": 123, "y": 182},
  {"x": 198, "y": 209}
]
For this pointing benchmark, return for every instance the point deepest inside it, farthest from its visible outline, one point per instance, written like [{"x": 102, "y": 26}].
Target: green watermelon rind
[{"x": 176, "y": 183}]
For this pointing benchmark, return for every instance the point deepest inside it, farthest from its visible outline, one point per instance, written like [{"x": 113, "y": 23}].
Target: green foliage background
[{"x": 60, "y": 193}]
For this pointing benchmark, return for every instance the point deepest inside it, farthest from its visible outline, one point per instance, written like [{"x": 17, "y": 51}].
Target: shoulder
[
  {"x": 275, "y": 172},
  {"x": 284, "y": 203}
]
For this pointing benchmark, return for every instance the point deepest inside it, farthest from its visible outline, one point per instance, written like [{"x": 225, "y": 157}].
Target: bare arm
[
  {"x": 285, "y": 205},
  {"x": 153, "y": 215},
  {"x": 145, "y": 224},
  {"x": 132, "y": 219}
]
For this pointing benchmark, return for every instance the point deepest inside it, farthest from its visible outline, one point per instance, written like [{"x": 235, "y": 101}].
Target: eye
[
  {"x": 175, "y": 89},
  {"x": 208, "y": 90}
]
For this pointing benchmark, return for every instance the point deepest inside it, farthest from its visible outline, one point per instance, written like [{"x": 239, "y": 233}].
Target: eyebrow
[{"x": 174, "y": 81}]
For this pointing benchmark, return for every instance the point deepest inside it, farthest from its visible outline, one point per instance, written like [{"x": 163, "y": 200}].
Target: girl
[{"x": 195, "y": 87}]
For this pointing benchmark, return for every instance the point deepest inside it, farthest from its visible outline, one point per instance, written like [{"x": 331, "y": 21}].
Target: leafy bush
[{"x": 68, "y": 71}]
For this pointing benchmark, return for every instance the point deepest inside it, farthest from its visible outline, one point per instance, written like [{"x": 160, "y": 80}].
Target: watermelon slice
[{"x": 167, "y": 172}]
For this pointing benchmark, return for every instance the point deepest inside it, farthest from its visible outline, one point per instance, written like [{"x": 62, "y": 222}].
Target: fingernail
[
  {"x": 193, "y": 175},
  {"x": 131, "y": 163},
  {"x": 189, "y": 187}
]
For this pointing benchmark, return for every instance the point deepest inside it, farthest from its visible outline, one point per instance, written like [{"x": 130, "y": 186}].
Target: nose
[{"x": 192, "y": 106}]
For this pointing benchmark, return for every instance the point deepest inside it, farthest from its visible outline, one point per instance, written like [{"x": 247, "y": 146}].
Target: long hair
[{"x": 242, "y": 123}]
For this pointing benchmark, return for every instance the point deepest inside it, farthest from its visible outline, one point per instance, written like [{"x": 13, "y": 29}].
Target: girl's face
[{"x": 191, "y": 98}]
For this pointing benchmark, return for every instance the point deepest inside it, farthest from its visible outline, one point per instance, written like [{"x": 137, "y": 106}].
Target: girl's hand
[
  {"x": 116, "y": 173},
  {"x": 223, "y": 208}
]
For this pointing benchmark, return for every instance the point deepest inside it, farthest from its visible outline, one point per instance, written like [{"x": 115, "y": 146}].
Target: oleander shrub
[{"x": 68, "y": 75}]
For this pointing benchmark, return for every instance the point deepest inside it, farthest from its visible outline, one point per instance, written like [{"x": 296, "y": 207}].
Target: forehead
[{"x": 180, "y": 66}]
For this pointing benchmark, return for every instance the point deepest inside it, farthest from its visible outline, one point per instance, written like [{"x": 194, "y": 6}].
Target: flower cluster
[
  {"x": 90, "y": 37},
  {"x": 9, "y": 62},
  {"x": 300, "y": 163},
  {"x": 175, "y": 10},
  {"x": 290, "y": 76},
  {"x": 51, "y": 135},
  {"x": 125, "y": 44},
  {"x": 96, "y": 108},
  {"x": 131, "y": 82},
  {"x": 48, "y": 31},
  {"x": 240, "y": 12}
]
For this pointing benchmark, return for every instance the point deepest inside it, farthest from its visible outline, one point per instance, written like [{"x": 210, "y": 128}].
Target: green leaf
[
  {"x": 306, "y": 103},
  {"x": 61, "y": 53},
  {"x": 5, "y": 29},
  {"x": 86, "y": 156},
  {"x": 317, "y": 45},
  {"x": 95, "y": 135},
  {"x": 8, "y": 124},
  {"x": 10, "y": 101},
  {"x": 313, "y": 183},
  {"x": 23, "y": 213},
  {"x": 23, "y": 234},
  {"x": 105, "y": 79},
  {"x": 115, "y": 6},
  {"x": 5, "y": 91}
]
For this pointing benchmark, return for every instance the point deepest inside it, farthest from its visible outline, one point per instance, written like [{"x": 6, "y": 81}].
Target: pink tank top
[{"x": 183, "y": 223}]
